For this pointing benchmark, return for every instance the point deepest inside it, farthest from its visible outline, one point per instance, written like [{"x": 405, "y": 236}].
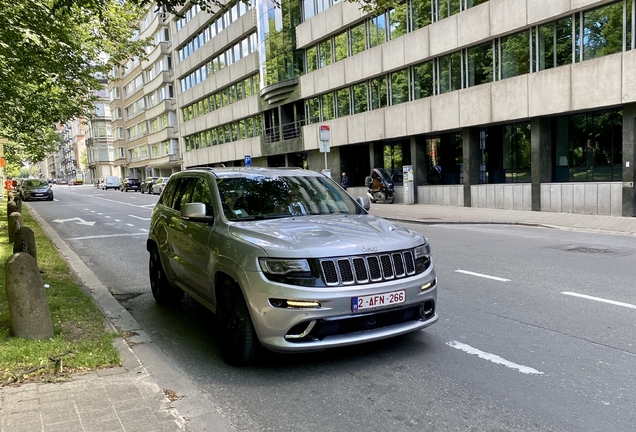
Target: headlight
[
  {"x": 300, "y": 272},
  {"x": 422, "y": 258},
  {"x": 423, "y": 251},
  {"x": 284, "y": 266}
]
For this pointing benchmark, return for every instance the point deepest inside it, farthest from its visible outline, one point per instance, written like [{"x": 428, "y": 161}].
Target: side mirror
[
  {"x": 196, "y": 212},
  {"x": 364, "y": 202},
  {"x": 367, "y": 181}
]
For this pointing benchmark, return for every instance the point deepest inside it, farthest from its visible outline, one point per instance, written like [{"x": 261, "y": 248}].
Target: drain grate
[{"x": 589, "y": 250}]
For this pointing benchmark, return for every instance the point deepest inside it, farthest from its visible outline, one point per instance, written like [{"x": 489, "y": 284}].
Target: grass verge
[{"x": 81, "y": 339}]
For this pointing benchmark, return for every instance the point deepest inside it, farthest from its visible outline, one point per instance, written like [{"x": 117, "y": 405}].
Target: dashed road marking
[
  {"x": 483, "y": 275},
  {"x": 139, "y": 217},
  {"x": 129, "y": 224},
  {"x": 493, "y": 358},
  {"x": 602, "y": 300}
]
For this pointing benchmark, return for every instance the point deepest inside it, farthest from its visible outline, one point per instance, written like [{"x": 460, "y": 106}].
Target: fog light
[
  {"x": 302, "y": 304},
  {"x": 282, "y": 303},
  {"x": 429, "y": 285}
]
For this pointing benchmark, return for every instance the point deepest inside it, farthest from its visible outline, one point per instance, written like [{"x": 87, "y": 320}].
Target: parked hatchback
[
  {"x": 35, "y": 189},
  {"x": 288, "y": 260},
  {"x": 147, "y": 184},
  {"x": 130, "y": 184},
  {"x": 159, "y": 185}
]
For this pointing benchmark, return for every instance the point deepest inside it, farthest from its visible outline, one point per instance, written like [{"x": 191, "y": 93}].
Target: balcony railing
[{"x": 284, "y": 132}]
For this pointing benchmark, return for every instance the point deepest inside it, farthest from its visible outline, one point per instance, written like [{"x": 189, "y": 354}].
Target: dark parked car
[
  {"x": 130, "y": 184},
  {"x": 146, "y": 186},
  {"x": 36, "y": 189}
]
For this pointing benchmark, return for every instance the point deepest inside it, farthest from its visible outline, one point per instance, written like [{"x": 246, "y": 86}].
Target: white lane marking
[
  {"x": 118, "y": 202},
  {"x": 139, "y": 217},
  {"x": 107, "y": 217},
  {"x": 92, "y": 211},
  {"x": 482, "y": 275},
  {"x": 493, "y": 358},
  {"x": 129, "y": 224},
  {"x": 143, "y": 229},
  {"x": 117, "y": 220},
  {"x": 101, "y": 214},
  {"x": 105, "y": 236},
  {"x": 602, "y": 300}
]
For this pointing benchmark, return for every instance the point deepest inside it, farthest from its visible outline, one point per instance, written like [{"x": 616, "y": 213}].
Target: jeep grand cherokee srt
[{"x": 288, "y": 260}]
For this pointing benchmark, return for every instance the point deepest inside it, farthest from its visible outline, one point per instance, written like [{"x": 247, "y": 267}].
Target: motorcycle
[{"x": 380, "y": 186}]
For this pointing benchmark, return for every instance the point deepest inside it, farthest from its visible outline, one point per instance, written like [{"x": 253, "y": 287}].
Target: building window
[
  {"x": 588, "y": 147},
  {"x": 603, "y": 31},
  {"x": 444, "y": 155},
  {"x": 479, "y": 65},
  {"x": 514, "y": 55}
]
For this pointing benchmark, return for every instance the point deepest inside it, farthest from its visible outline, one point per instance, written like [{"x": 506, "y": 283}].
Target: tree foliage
[{"x": 51, "y": 59}]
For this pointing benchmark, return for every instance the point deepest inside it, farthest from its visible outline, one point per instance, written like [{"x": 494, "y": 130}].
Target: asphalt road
[{"x": 536, "y": 333}]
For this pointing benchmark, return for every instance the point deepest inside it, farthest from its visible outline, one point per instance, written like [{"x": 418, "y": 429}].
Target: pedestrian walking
[{"x": 345, "y": 181}]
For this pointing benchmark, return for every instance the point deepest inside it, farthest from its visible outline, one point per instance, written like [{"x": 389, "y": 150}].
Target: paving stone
[
  {"x": 71, "y": 426},
  {"x": 112, "y": 425},
  {"x": 59, "y": 415},
  {"x": 98, "y": 416}
]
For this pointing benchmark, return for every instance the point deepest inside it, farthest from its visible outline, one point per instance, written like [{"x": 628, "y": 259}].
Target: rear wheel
[
  {"x": 164, "y": 293},
  {"x": 239, "y": 343}
]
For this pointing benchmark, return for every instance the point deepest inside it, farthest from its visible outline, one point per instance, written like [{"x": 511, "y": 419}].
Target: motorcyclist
[{"x": 376, "y": 184}]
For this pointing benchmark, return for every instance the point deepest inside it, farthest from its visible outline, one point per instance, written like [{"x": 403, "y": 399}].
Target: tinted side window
[
  {"x": 203, "y": 195},
  {"x": 184, "y": 192},
  {"x": 167, "y": 197}
]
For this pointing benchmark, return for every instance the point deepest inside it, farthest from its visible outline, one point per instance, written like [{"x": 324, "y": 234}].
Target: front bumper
[{"x": 333, "y": 323}]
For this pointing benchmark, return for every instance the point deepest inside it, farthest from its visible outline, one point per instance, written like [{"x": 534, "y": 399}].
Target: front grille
[{"x": 367, "y": 268}]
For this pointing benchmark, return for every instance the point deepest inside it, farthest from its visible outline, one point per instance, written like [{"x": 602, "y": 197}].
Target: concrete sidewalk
[
  {"x": 115, "y": 399},
  {"x": 430, "y": 214}
]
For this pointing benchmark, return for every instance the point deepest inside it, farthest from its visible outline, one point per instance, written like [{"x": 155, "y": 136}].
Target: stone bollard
[
  {"x": 18, "y": 201},
  {"x": 28, "y": 308},
  {"x": 12, "y": 207},
  {"x": 15, "y": 221},
  {"x": 24, "y": 241}
]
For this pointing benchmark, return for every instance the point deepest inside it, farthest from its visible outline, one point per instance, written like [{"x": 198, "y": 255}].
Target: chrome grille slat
[{"x": 367, "y": 268}]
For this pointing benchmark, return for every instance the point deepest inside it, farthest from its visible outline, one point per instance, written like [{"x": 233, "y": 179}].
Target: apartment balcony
[
  {"x": 161, "y": 79},
  {"x": 162, "y": 49},
  {"x": 162, "y": 107},
  {"x": 162, "y": 135}
]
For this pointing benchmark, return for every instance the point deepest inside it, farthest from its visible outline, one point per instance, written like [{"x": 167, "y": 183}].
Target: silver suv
[{"x": 288, "y": 260}]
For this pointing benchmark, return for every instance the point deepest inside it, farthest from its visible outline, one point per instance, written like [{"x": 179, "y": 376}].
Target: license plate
[{"x": 377, "y": 300}]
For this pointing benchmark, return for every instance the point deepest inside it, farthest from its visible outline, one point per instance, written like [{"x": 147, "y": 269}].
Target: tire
[
  {"x": 390, "y": 198},
  {"x": 142, "y": 190},
  {"x": 239, "y": 343},
  {"x": 164, "y": 293}
]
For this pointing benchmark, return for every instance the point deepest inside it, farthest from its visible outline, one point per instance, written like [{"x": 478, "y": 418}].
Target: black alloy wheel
[
  {"x": 239, "y": 343},
  {"x": 164, "y": 293}
]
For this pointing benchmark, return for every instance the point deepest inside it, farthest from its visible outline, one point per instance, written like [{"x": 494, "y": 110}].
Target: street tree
[{"x": 51, "y": 60}]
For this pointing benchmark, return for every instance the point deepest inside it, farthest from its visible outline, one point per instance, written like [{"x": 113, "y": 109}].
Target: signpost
[
  {"x": 248, "y": 161},
  {"x": 324, "y": 135}
]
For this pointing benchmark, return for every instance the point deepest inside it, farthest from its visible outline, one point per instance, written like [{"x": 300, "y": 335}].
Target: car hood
[{"x": 325, "y": 235}]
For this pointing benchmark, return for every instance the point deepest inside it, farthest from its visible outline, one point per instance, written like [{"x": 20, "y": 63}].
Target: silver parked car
[
  {"x": 159, "y": 185},
  {"x": 287, "y": 260}
]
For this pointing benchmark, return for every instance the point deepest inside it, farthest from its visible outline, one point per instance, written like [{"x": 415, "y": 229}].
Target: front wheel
[
  {"x": 390, "y": 198},
  {"x": 164, "y": 293},
  {"x": 238, "y": 338}
]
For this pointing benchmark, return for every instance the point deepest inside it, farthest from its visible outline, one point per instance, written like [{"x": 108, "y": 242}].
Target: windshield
[
  {"x": 35, "y": 183},
  {"x": 260, "y": 197}
]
